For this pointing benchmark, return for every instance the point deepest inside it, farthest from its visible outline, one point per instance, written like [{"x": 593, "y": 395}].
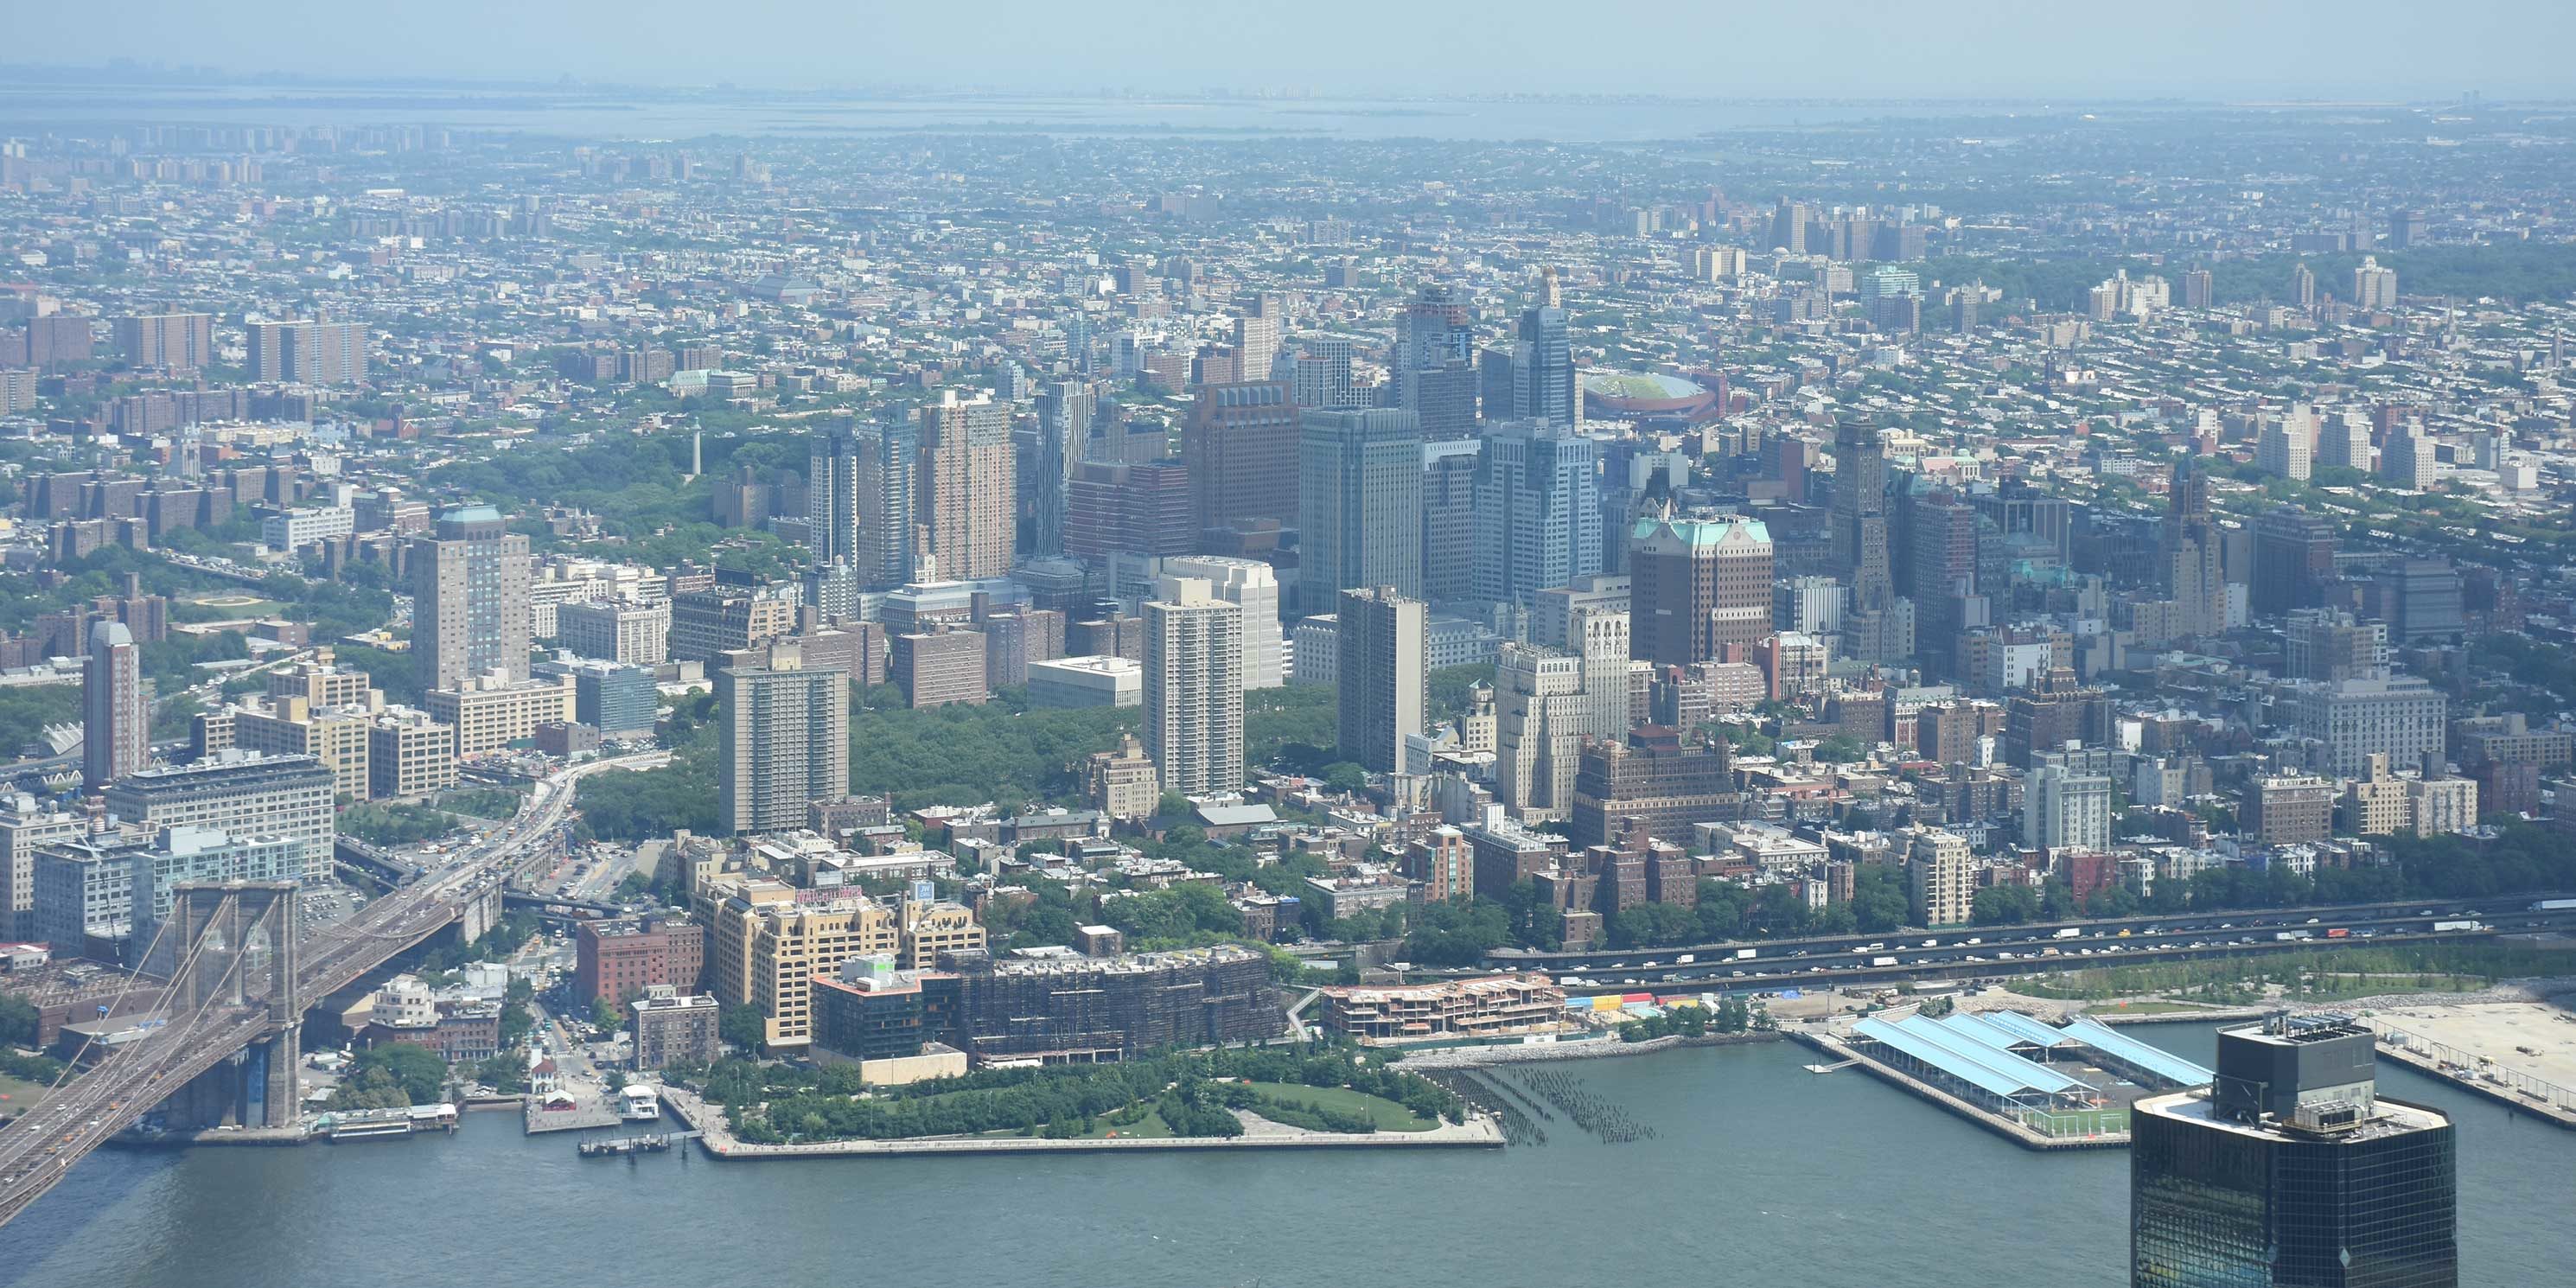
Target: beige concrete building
[
  {"x": 493, "y": 711},
  {"x": 782, "y": 739},
  {"x": 409, "y": 755},
  {"x": 708, "y": 624},
  {"x": 968, "y": 487},
  {"x": 1941, "y": 878},
  {"x": 2377, "y": 803},
  {"x": 616, "y": 631},
  {"x": 321, "y": 682},
  {"x": 2287, "y": 809},
  {"x": 469, "y": 587},
  {"x": 764, "y": 946},
  {"x": 336, "y": 736},
  {"x": 1497, "y": 1006},
  {"x": 25, "y": 827},
  {"x": 1122, "y": 783},
  {"x": 1540, "y": 718}
]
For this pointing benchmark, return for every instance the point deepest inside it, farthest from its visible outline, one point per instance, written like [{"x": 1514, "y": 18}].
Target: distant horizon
[
  {"x": 2195, "y": 51},
  {"x": 130, "y": 71}
]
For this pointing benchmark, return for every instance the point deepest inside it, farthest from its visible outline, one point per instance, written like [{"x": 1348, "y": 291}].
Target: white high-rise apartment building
[
  {"x": 2287, "y": 446},
  {"x": 2065, "y": 810},
  {"x": 1250, "y": 585},
  {"x": 1194, "y": 688}
]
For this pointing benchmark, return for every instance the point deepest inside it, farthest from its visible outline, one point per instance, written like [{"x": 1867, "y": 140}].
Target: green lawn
[
  {"x": 2339, "y": 985},
  {"x": 21, "y": 1096},
  {"x": 1389, "y": 1115},
  {"x": 1152, "y": 1127}
]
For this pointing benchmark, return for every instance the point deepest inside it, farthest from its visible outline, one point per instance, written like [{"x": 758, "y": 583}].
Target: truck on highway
[
  {"x": 2287, "y": 935},
  {"x": 1882, "y": 961},
  {"x": 1745, "y": 954},
  {"x": 2455, "y": 925},
  {"x": 2554, "y": 905},
  {"x": 2070, "y": 932}
]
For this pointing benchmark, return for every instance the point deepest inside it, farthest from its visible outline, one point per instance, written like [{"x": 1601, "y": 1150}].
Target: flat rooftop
[{"x": 2388, "y": 1118}]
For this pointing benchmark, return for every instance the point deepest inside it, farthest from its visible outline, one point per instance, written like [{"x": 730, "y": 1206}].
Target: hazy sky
[{"x": 2235, "y": 49}]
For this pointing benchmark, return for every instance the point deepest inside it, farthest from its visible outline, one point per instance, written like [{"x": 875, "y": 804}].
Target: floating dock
[{"x": 624, "y": 1145}]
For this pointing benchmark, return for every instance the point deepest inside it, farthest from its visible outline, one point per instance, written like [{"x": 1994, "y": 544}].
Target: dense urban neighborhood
[{"x": 1032, "y": 640}]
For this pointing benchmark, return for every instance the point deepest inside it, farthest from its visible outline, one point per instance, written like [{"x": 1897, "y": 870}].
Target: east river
[{"x": 1760, "y": 1174}]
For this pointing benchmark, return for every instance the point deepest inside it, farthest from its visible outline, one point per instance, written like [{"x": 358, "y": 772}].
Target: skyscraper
[
  {"x": 1539, "y": 724},
  {"x": 1065, "y": 410},
  {"x": 1257, "y": 335},
  {"x": 1241, "y": 449},
  {"x": 1433, "y": 330},
  {"x": 832, "y": 496},
  {"x": 1538, "y": 510},
  {"x": 1359, "y": 496},
  {"x": 1317, "y": 371},
  {"x": 1534, "y": 378},
  {"x": 1860, "y": 544},
  {"x": 886, "y": 547},
  {"x": 1250, "y": 585},
  {"x": 2192, "y": 577},
  {"x": 2303, "y": 286},
  {"x": 2294, "y": 559},
  {"x": 1383, "y": 685},
  {"x": 1942, "y": 532},
  {"x": 1696, "y": 586},
  {"x": 1449, "y": 517},
  {"x": 469, "y": 589},
  {"x": 968, "y": 491},
  {"x": 1432, "y": 366},
  {"x": 1194, "y": 688},
  {"x": 2292, "y": 1170},
  {"x": 1442, "y": 399},
  {"x": 115, "y": 722},
  {"x": 782, "y": 738}
]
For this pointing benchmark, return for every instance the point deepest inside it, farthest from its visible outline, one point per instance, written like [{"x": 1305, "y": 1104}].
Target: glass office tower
[{"x": 2292, "y": 1172}]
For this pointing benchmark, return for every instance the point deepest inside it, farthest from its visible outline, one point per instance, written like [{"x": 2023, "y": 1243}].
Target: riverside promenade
[{"x": 716, "y": 1136}]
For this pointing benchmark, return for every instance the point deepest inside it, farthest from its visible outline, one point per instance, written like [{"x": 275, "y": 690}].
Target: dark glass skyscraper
[{"x": 2292, "y": 1172}]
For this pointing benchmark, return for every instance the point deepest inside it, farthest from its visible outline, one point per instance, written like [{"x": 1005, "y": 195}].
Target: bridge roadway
[
  {"x": 37, "y": 1150},
  {"x": 2008, "y": 950}
]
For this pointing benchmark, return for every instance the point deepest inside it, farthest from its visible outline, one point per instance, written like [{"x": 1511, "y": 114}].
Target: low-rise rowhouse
[{"x": 1492, "y": 1007}]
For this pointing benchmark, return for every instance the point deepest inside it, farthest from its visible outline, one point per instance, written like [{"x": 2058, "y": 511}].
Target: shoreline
[
  {"x": 1584, "y": 1049},
  {"x": 716, "y": 1137}
]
